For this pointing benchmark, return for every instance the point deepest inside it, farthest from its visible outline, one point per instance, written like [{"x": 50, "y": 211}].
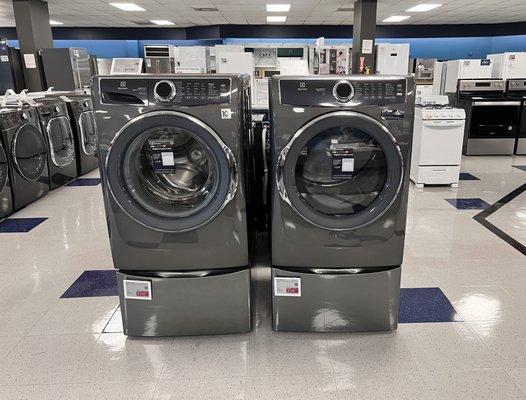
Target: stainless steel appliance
[
  {"x": 491, "y": 118},
  {"x": 66, "y": 68},
  {"x": 516, "y": 90},
  {"x": 159, "y": 59},
  {"x": 340, "y": 149},
  {"x": 11, "y": 71},
  {"x": 174, "y": 177}
]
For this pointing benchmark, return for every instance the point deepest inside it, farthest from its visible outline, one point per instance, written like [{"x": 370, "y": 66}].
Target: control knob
[
  {"x": 164, "y": 91},
  {"x": 343, "y": 91}
]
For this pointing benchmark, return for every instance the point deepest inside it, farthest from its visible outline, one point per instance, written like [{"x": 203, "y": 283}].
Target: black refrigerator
[{"x": 11, "y": 75}]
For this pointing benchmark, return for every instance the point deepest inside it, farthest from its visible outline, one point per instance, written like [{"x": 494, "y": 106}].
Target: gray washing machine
[
  {"x": 172, "y": 164},
  {"x": 6, "y": 196},
  {"x": 340, "y": 151}
]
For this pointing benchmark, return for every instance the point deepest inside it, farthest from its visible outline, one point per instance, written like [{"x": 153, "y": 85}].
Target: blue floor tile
[
  {"x": 466, "y": 176},
  {"x": 426, "y": 305},
  {"x": 93, "y": 283},
  {"x": 20, "y": 225},
  {"x": 468, "y": 204},
  {"x": 85, "y": 182},
  {"x": 521, "y": 167}
]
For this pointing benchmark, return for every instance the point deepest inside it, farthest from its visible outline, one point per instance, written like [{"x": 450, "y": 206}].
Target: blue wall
[{"x": 441, "y": 48}]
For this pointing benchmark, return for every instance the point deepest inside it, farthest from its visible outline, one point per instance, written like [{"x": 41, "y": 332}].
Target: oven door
[{"x": 494, "y": 119}]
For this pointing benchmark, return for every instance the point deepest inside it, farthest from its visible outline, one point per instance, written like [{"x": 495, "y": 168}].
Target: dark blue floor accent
[
  {"x": 93, "y": 283},
  {"x": 20, "y": 225},
  {"x": 468, "y": 204},
  {"x": 426, "y": 305},
  {"x": 85, "y": 182},
  {"x": 466, "y": 176},
  {"x": 521, "y": 167}
]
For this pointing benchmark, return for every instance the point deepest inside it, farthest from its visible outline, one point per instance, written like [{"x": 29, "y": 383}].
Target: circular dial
[
  {"x": 164, "y": 91},
  {"x": 343, "y": 91}
]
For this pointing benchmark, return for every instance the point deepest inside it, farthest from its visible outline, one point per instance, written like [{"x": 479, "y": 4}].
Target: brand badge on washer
[
  {"x": 287, "y": 287},
  {"x": 140, "y": 290},
  {"x": 226, "y": 113}
]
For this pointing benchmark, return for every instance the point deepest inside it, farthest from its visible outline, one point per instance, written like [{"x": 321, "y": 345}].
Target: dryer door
[
  {"x": 171, "y": 172},
  {"x": 3, "y": 169},
  {"x": 29, "y": 152},
  {"x": 60, "y": 137},
  {"x": 88, "y": 133},
  {"x": 341, "y": 171}
]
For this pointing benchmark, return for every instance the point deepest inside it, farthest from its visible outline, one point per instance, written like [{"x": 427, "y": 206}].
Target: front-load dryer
[
  {"x": 172, "y": 154},
  {"x": 56, "y": 128},
  {"x": 26, "y": 151},
  {"x": 6, "y": 196},
  {"x": 340, "y": 150}
]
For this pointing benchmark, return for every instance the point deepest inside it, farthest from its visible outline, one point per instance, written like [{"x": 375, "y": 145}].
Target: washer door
[
  {"x": 29, "y": 152},
  {"x": 88, "y": 133},
  {"x": 341, "y": 171},
  {"x": 170, "y": 172},
  {"x": 3, "y": 169},
  {"x": 61, "y": 145}
]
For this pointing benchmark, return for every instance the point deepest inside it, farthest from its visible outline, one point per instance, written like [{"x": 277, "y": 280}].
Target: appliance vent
[
  {"x": 205, "y": 9},
  {"x": 159, "y": 51}
]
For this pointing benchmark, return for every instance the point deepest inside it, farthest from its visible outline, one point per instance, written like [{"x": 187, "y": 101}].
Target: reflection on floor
[{"x": 72, "y": 348}]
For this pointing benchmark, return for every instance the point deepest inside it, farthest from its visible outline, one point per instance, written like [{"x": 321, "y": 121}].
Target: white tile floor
[{"x": 53, "y": 348}]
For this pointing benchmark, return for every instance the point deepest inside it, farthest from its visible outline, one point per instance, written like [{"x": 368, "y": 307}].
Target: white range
[{"x": 437, "y": 145}]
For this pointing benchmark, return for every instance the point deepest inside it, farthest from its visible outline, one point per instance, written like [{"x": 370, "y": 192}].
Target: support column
[
  {"x": 34, "y": 33},
  {"x": 363, "y": 35}
]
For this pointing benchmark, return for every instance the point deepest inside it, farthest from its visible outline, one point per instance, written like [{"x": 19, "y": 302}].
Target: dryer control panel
[{"x": 334, "y": 92}]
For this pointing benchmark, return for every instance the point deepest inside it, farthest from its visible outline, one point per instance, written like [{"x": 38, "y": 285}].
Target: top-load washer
[
  {"x": 6, "y": 197},
  {"x": 26, "y": 151},
  {"x": 340, "y": 149},
  {"x": 172, "y": 154},
  {"x": 56, "y": 128}
]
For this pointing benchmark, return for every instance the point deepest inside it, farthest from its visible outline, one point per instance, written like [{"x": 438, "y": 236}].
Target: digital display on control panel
[
  {"x": 195, "y": 92},
  {"x": 314, "y": 92}
]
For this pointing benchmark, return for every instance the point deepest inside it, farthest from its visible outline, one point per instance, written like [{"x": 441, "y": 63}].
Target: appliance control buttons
[
  {"x": 164, "y": 91},
  {"x": 343, "y": 91}
]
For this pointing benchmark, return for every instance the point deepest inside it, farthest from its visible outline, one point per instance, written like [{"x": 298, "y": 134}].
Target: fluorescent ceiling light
[
  {"x": 127, "y": 6},
  {"x": 162, "y": 22},
  {"x": 396, "y": 18},
  {"x": 423, "y": 7},
  {"x": 53, "y": 22},
  {"x": 278, "y": 7},
  {"x": 276, "y": 18}
]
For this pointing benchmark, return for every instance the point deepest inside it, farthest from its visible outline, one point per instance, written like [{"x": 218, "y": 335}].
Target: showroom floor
[{"x": 72, "y": 348}]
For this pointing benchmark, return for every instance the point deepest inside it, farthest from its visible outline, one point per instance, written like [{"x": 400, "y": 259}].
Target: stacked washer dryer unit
[
  {"x": 340, "y": 149},
  {"x": 172, "y": 162},
  {"x": 57, "y": 131},
  {"x": 26, "y": 153}
]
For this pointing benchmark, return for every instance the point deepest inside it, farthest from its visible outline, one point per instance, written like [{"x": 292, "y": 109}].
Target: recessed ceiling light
[
  {"x": 396, "y": 18},
  {"x": 127, "y": 6},
  {"x": 278, "y": 7},
  {"x": 53, "y": 22},
  {"x": 423, "y": 7},
  {"x": 276, "y": 18},
  {"x": 162, "y": 22}
]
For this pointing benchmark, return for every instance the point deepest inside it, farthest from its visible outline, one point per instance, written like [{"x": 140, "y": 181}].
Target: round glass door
[
  {"x": 3, "y": 168},
  {"x": 29, "y": 152},
  {"x": 88, "y": 133},
  {"x": 61, "y": 145},
  {"x": 341, "y": 171},
  {"x": 171, "y": 172}
]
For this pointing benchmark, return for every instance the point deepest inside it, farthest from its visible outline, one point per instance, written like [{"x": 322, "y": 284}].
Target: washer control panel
[
  {"x": 334, "y": 92},
  {"x": 190, "y": 92}
]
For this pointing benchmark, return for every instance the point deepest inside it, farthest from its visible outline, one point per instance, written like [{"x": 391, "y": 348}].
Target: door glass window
[
  {"x": 495, "y": 121},
  {"x": 88, "y": 133},
  {"x": 61, "y": 141},
  {"x": 170, "y": 171},
  {"x": 30, "y": 152},
  {"x": 340, "y": 171}
]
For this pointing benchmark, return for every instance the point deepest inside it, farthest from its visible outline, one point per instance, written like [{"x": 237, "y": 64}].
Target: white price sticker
[
  {"x": 287, "y": 287},
  {"x": 167, "y": 159},
  {"x": 139, "y": 290},
  {"x": 348, "y": 165}
]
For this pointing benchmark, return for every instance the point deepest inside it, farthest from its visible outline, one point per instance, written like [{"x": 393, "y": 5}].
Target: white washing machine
[{"x": 437, "y": 144}]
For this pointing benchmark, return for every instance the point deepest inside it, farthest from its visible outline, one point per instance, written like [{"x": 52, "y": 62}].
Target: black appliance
[
  {"x": 491, "y": 118},
  {"x": 11, "y": 71},
  {"x": 66, "y": 68},
  {"x": 26, "y": 154},
  {"x": 516, "y": 90},
  {"x": 56, "y": 128}
]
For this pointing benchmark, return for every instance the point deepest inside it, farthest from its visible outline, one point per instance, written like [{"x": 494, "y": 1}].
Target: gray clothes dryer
[
  {"x": 340, "y": 151},
  {"x": 172, "y": 166}
]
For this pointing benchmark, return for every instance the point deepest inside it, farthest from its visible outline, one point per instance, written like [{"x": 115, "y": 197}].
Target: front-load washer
[
  {"x": 56, "y": 128},
  {"x": 6, "y": 196},
  {"x": 340, "y": 156},
  {"x": 26, "y": 151},
  {"x": 172, "y": 154}
]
